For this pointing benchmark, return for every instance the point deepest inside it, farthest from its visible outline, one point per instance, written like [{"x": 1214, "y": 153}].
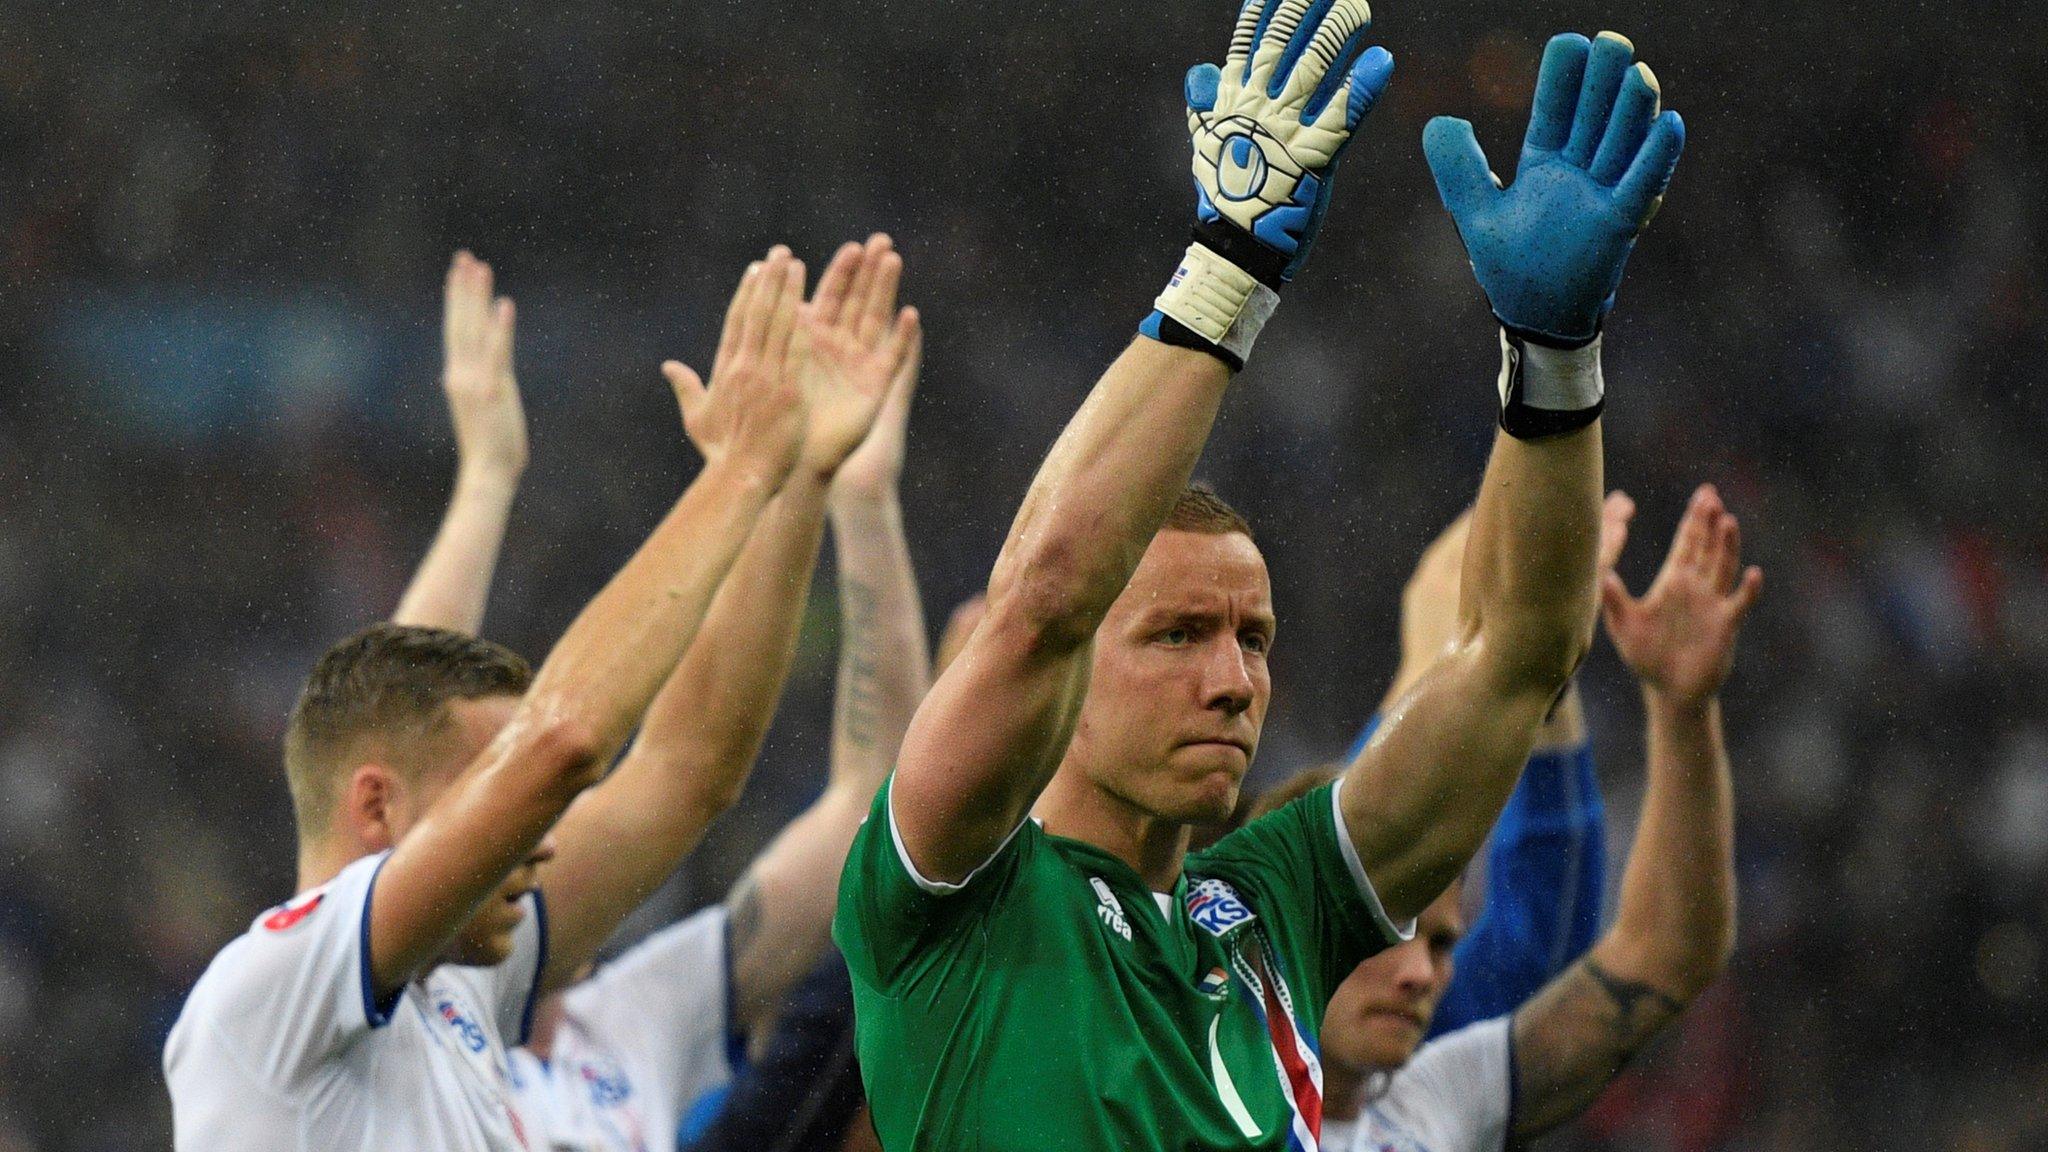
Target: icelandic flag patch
[{"x": 1215, "y": 906}]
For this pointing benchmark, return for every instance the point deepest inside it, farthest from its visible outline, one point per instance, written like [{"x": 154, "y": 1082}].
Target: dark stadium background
[{"x": 222, "y": 445}]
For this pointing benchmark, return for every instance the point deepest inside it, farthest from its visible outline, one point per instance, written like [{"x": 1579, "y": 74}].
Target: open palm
[
  {"x": 1679, "y": 638},
  {"x": 854, "y": 344}
]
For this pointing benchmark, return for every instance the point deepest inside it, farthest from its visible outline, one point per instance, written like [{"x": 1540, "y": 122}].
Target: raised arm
[
  {"x": 1676, "y": 924},
  {"x": 622, "y": 838},
  {"x": 1266, "y": 130},
  {"x": 781, "y": 910},
  {"x": 1549, "y": 250},
  {"x": 454, "y": 581},
  {"x": 1546, "y": 857},
  {"x": 599, "y": 678}
]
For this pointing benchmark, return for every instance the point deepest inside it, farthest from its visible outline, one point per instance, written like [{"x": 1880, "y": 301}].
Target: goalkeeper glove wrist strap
[
  {"x": 1546, "y": 391},
  {"x": 1212, "y": 305}
]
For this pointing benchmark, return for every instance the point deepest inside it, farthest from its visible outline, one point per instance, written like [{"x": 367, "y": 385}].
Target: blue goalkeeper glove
[
  {"x": 1549, "y": 249},
  {"x": 1267, "y": 128}
]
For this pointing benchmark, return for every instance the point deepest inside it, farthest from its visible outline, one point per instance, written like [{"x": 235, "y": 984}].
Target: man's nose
[
  {"x": 1227, "y": 679},
  {"x": 1417, "y": 971}
]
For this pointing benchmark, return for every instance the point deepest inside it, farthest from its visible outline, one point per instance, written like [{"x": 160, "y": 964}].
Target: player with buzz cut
[
  {"x": 622, "y": 1060},
  {"x": 1509, "y": 1079},
  {"x": 1037, "y": 960},
  {"x": 373, "y": 1010}
]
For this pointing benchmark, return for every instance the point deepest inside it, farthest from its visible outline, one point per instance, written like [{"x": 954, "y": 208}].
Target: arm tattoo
[
  {"x": 1627, "y": 995},
  {"x": 742, "y": 918},
  {"x": 1574, "y": 1036},
  {"x": 860, "y": 691}
]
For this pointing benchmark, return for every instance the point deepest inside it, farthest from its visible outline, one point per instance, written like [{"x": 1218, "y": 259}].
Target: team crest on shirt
[
  {"x": 605, "y": 1081},
  {"x": 1215, "y": 906},
  {"x": 290, "y": 913}
]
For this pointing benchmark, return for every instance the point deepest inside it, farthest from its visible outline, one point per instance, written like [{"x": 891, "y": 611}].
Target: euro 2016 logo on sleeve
[{"x": 471, "y": 1035}]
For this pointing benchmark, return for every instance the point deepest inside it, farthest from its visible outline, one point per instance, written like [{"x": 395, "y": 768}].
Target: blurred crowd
[{"x": 222, "y": 445}]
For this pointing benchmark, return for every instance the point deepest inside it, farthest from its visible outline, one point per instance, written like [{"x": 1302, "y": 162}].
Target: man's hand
[
  {"x": 476, "y": 371},
  {"x": 875, "y": 467},
  {"x": 454, "y": 580},
  {"x": 1549, "y": 249},
  {"x": 852, "y": 343},
  {"x": 1267, "y": 128},
  {"x": 1679, "y": 639},
  {"x": 754, "y": 411}
]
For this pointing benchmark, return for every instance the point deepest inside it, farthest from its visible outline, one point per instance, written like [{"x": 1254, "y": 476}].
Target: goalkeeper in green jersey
[{"x": 1038, "y": 962}]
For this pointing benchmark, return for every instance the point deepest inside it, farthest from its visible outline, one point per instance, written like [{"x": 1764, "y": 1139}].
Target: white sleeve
[
  {"x": 297, "y": 987},
  {"x": 664, "y": 1009},
  {"x": 1457, "y": 1094}
]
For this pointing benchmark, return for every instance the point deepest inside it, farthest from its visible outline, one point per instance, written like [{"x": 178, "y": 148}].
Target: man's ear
[{"x": 370, "y": 806}]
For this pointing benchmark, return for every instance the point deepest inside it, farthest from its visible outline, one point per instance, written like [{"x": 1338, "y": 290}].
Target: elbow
[
  {"x": 1043, "y": 597},
  {"x": 567, "y": 751},
  {"x": 1541, "y": 657}
]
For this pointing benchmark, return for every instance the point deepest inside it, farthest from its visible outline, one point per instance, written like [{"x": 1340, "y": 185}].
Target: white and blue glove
[
  {"x": 1549, "y": 249},
  {"x": 1267, "y": 129}
]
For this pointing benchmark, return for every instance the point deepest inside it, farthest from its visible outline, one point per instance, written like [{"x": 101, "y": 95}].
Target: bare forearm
[
  {"x": 884, "y": 661},
  {"x": 1676, "y": 920},
  {"x": 1434, "y": 780},
  {"x": 1107, "y": 485},
  {"x": 1527, "y": 586},
  {"x": 607, "y": 667},
  {"x": 453, "y": 583},
  {"x": 1670, "y": 937},
  {"x": 710, "y": 718}
]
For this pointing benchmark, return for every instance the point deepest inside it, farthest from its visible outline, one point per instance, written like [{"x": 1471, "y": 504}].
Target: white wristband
[
  {"x": 1218, "y": 301},
  {"x": 1552, "y": 379}
]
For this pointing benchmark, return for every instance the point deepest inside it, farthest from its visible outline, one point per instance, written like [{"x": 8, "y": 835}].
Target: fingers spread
[
  {"x": 1606, "y": 65},
  {"x": 1463, "y": 179},
  {"x": 830, "y": 298},
  {"x": 881, "y": 299},
  {"x": 1746, "y": 594},
  {"x": 788, "y": 296},
  {"x": 1690, "y": 544},
  {"x": 688, "y": 386},
  {"x": 1615, "y": 515},
  {"x": 1634, "y": 111},
  {"x": 732, "y": 336},
  {"x": 1642, "y": 187},
  {"x": 1557, "y": 92},
  {"x": 1726, "y": 553}
]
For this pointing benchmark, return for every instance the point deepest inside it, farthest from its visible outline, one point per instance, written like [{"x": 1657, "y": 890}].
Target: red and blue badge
[{"x": 289, "y": 914}]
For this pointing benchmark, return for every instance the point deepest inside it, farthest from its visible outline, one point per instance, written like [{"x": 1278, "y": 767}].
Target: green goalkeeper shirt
[{"x": 1052, "y": 1003}]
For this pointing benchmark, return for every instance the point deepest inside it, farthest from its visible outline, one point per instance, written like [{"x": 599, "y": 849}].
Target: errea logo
[{"x": 1108, "y": 909}]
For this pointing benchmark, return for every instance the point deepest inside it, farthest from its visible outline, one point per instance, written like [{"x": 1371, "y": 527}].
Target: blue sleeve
[
  {"x": 806, "y": 1089},
  {"x": 1546, "y": 869}
]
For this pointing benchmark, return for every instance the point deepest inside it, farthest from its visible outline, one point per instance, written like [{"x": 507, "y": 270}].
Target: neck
[
  {"x": 1343, "y": 1091},
  {"x": 1077, "y": 808},
  {"x": 322, "y": 860}
]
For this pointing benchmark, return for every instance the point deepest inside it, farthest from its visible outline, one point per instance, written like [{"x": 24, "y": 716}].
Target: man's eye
[
  {"x": 1175, "y": 636},
  {"x": 1256, "y": 642}
]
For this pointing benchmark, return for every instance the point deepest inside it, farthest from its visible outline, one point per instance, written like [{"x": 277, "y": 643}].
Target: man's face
[
  {"x": 1179, "y": 686},
  {"x": 443, "y": 755},
  {"x": 1381, "y": 1011}
]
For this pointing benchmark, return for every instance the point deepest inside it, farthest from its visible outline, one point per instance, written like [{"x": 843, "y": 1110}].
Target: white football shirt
[
  {"x": 280, "y": 1046},
  {"x": 638, "y": 1043},
  {"x": 1456, "y": 1095}
]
